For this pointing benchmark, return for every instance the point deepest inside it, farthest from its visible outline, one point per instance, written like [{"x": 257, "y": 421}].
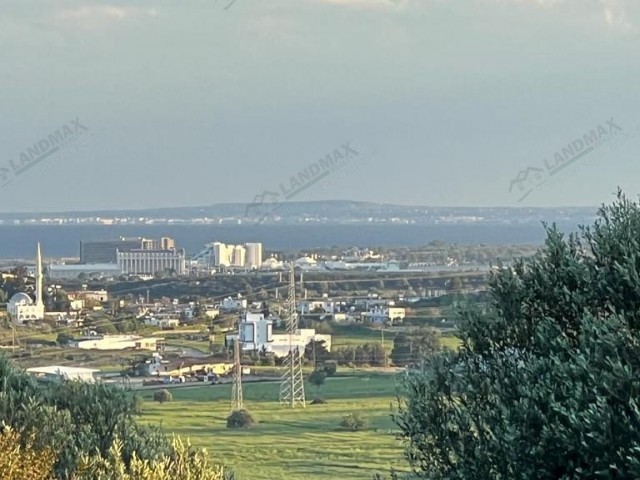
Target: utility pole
[
  {"x": 384, "y": 352},
  {"x": 236, "y": 391},
  {"x": 292, "y": 384}
]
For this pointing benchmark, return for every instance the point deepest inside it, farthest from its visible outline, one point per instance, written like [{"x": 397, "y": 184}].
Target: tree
[
  {"x": 20, "y": 459},
  {"x": 316, "y": 350},
  {"x": 240, "y": 419},
  {"x": 317, "y": 378},
  {"x": 184, "y": 462},
  {"x": 410, "y": 347},
  {"x": 162, "y": 396},
  {"x": 546, "y": 384}
]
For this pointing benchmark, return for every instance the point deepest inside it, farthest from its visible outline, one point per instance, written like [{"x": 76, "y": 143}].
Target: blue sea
[{"x": 63, "y": 241}]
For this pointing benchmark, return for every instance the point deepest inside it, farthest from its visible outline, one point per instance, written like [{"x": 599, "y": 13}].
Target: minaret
[{"x": 39, "y": 277}]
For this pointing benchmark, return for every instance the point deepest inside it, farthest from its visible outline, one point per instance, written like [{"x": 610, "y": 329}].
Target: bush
[
  {"x": 138, "y": 403},
  {"x": 330, "y": 368},
  {"x": 240, "y": 419},
  {"x": 318, "y": 401},
  {"x": 354, "y": 422},
  {"x": 162, "y": 396}
]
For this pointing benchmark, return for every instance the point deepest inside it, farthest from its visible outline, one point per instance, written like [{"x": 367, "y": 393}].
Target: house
[
  {"x": 316, "y": 306},
  {"x": 382, "y": 315},
  {"x": 162, "y": 321},
  {"x": 232, "y": 304}
]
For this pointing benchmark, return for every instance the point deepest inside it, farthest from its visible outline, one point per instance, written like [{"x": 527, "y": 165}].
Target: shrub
[
  {"x": 184, "y": 462},
  {"x": 138, "y": 403},
  {"x": 162, "y": 396},
  {"x": 354, "y": 422},
  {"x": 330, "y": 368},
  {"x": 240, "y": 419},
  {"x": 318, "y": 401}
]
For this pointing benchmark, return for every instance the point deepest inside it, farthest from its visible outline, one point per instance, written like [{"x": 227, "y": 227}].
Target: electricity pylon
[
  {"x": 292, "y": 384},
  {"x": 236, "y": 391}
]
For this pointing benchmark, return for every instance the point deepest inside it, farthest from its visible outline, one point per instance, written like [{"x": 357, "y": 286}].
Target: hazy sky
[{"x": 191, "y": 103}]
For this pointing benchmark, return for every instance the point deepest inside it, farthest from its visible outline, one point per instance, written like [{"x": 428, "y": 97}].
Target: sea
[{"x": 19, "y": 241}]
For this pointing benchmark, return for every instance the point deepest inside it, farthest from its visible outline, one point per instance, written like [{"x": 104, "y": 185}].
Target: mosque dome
[{"x": 21, "y": 298}]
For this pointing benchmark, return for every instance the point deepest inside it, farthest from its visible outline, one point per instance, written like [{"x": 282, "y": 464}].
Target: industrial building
[
  {"x": 149, "y": 262},
  {"x": 100, "y": 252}
]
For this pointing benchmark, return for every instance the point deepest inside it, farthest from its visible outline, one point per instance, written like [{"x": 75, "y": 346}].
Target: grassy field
[{"x": 290, "y": 444}]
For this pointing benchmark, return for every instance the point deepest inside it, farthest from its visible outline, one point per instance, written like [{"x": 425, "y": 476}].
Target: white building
[
  {"x": 95, "y": 270},
  {"x": 149, "y": 262},
  {"x": 162, "y": 321},
  {"x": 56, "y": 373},
  {"x": 256, "y": 334},
  {"x": 233, "y": 304},
  {"x": 117, "y": 342},
  {"x": 21, "y": 307},
  {"x": 239, "y": 253},
  {"x": 254, "y": 255},
  {"x": 381, "y": 315},
  {"x": 248, "y": 255}
]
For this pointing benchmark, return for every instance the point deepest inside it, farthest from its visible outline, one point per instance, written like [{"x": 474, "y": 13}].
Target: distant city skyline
[{"x": 147, "y": 104}]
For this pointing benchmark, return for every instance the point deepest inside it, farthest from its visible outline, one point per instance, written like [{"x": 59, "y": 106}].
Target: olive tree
[{"x": 546, "y": 384}]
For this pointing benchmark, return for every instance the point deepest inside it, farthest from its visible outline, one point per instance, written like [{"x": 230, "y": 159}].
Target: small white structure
[
  {"x": 162, "y": 321},
  {"x": 117, "y": 342},
  {"x": 316, "y": 306},
  {"x": 233, "y": 303},
  {"x": 56, "y": 373},
  {"x": 21, "y": 307}
]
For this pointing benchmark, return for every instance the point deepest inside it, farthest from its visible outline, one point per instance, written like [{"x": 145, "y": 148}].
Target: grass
[{"x": 290, "y": 443}]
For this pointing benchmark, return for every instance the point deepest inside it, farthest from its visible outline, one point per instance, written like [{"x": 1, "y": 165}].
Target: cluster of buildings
[
  {"x": 248, "y": 256},
  {"x": 140, "y": 256}
]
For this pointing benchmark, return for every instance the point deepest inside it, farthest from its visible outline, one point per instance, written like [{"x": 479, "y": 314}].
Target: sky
[{"x": 196, "y": 102}]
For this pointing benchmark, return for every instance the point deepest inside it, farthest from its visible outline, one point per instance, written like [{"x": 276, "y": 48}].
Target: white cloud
[{"x": 95, "y": 16}]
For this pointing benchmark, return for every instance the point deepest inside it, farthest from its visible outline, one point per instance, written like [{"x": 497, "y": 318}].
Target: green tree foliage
[
  {"x": 546, "y": 384},
  {"x": 330, "y": 368},
  {"x": 20, "y": 460},
  {"x": 183, "y": 463},
  {"x": 162, "y": 396},
  {"x": 317, "y": 378},
  {"x": 372, "y": 354},
  {"x": 240, "y": 419},
  {"x": 354, "y": 422},
  {"x": 316, "y": 350},
  {"x": 75, "y": 419},
  {"x": 410, "y": 347}
]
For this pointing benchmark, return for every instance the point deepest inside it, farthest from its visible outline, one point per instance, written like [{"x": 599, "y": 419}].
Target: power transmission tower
[
  {"x": 236, "y": 391},
  {"x": 292, "y": 384}
]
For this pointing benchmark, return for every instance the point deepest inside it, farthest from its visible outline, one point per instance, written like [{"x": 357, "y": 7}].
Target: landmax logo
[
  {"x": 531, "y": 178},
  {"x": 268, "y": 201},
  {"x": 41, "y": 150}
]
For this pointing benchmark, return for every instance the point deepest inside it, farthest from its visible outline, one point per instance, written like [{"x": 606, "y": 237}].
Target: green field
[{"x": 290, "y": 444}]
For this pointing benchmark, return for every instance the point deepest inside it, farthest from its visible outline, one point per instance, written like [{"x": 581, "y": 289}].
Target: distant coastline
[{"x": 18, "y": 241}]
